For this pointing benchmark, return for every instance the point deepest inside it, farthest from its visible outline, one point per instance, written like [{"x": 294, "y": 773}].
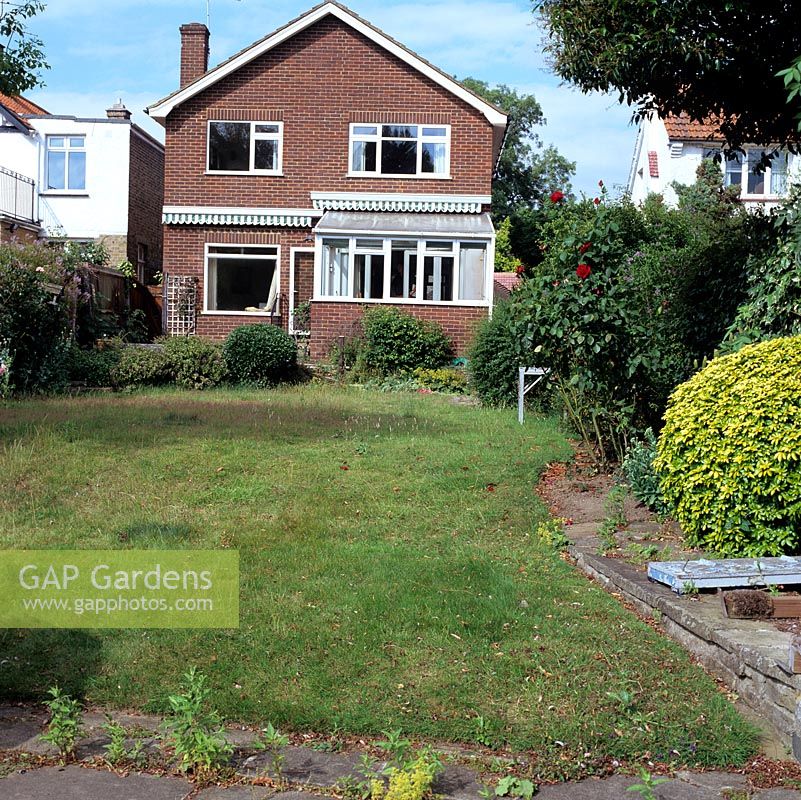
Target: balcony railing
[{"x": 16, "y": 195}]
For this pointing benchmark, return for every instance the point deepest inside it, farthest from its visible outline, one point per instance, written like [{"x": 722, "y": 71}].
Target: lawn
[{"x": 390, "y": 574}]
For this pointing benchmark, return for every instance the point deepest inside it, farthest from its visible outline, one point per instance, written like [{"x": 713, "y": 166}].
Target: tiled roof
[
  {"x": 503, "y": 283},
  {"x": 682, "y": 128},
  {"x": 21, "y": 105}
]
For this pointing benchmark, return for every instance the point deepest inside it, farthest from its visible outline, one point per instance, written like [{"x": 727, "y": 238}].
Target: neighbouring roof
[
  {"x": 370, "y": 223},
  {"x": 682, "y": 128},
  {"x": 21, "y": 105},
  {"x": 160, "y": 109},
  {"x": 503, "y": 283}
]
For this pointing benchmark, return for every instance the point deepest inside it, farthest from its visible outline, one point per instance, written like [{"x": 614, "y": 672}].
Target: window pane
[
  {"x": 398, "y": 158},
  {"x": 434, "y": 132},
  {"x": 335, "y": 268},
  {"x": 778, "y": 174},
  {"x": 250, "y": 251},
  {"x": 239, "y": 284},
  {"x": 434, "y": 158},
  {"x": 369, "y": 244},
  {"x": 734, "y": 171},
  {"x": 55, "y": 141},
  {"x": 399, "y": 131},
  {"x": 365, "y": 130},
  {"x": 756, "y": 180},
  {"x": 229, "y": 146},
  {"x": 364, "y": 156},
  {"x": 77, "y": 170},
  {"x": 76, "y": 141},
  {"x": 403, "y": 270},
  {"x": 369, "y": 276},
  {"x": 438, "y": 278},
  {"x": 472, "y": 260},
  {"x": 266, "y": 129},
  {"x": 439, "y": 246},
  {"x": 56, "y": 168},
  {"x": 266, "y": 154}
]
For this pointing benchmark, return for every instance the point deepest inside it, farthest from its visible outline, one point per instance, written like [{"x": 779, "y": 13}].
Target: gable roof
[
  {"x": 682, "y": 128},
  {"x": 21, "y": 105},
  {"x": 160, "y": 109}
]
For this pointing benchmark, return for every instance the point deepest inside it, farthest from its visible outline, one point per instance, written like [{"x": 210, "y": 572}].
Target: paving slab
[
  {"x": 459, "y": 783},
  {"x": 304, "y": 766},
  {"x": 76, "y": 783}
]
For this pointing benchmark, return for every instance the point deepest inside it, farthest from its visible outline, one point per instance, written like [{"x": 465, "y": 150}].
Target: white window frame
[
  {"x": 422, "y": 252},
  {"x": 278, "y": 171},
  {"x": 66, "y": 149},
  {"x": 744, "y": 173},
  {"x": 420, "y": 139},
  {"x": 256, "y": 257}
]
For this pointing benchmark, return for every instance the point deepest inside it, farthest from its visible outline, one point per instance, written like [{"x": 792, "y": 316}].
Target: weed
[
  {"x": 413, "y": 781},
  {"x": 272, "y": 741},
  {"x": 615, "y": 505},
  {"x": 117, "y": 750},
  {"x": 641, "y": 553},
  {"x": 510, "y": 786},
  {"x": 195, "y": 732},
  {"x": 647, "y": 785},
  {"x": 65, "y": 726},
  {"x": 690, "y": 589},
  {"x": 396, "y": 748},
  {"x": 485, "y": 732},
  {"x": 606, "y": 533},
  {"x": 551, "y": 532}
]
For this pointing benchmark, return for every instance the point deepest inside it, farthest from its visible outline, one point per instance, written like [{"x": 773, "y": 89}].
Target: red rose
[
  {"x": 557, "y": 196},
  {"x": 583, "y": 249},
  {"x": 597, "y": 200},
  {"x": 520, "y": 269},
  {"x": 601, "y": 184},
  {"x": 583, "y": 271}
]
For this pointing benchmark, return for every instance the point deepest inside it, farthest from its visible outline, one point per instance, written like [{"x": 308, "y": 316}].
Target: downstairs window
[{"x": 241, "y": 278}]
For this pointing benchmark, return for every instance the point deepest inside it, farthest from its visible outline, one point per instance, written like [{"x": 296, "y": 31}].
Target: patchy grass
[{"x": 386, "y": 595}]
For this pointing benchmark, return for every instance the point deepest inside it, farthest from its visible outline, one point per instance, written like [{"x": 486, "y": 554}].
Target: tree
[
  {"x": 527, "y": 172},
  {"x": 707, "y": 58},
  {"x": 21, "y": 53}
]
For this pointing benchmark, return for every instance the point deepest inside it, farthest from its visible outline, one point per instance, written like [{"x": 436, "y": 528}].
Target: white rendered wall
[
  {"x": 102, "y": 209},
  {"x": 20, "y": 152}
]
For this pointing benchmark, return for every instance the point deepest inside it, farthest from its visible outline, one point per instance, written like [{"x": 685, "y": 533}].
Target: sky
[{"x": 102, "y": 50}]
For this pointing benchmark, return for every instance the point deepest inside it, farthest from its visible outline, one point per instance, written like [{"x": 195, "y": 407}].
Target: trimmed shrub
[
  {"x": 396, "y": 342},
  {"x": 442, "y": 380},
  {"x": 493, "y": 359},
  {"x": 260, "y": 354},
  {"x": 141, "y": 366},
  {"x": 93, "y": 367},
  {"x": 729, "y": 456},
  {"x": 194, "y": 362}
]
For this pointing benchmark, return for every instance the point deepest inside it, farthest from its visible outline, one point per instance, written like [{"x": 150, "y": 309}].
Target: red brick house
[{"x": 326, "y": 163}]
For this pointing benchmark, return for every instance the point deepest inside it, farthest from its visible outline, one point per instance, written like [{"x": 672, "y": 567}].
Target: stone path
[{"x": 311, "y": 774}]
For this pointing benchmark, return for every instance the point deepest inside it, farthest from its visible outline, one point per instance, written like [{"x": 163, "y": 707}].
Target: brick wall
[
  {"x": 145, "y": 198},
  {"x": 317, "y": 83},
  {"x": 194, "y": 51},
  {"x": 184, "y": 254},
  {"x": 330, "y": 320},
  {"x": 22, "y": 233}
]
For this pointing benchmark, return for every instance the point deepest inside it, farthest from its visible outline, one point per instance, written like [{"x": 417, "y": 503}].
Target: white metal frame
[
  {"x": 386, "y": 251},
  {"x": 278, "y": 137},
  {"x": 378, "y": 138},
  {"x": 293, "y": 251},
  {"x": 745, "y": 172},
  {"x": 257, "y": 257},
  {"x": 523, "y": 388},
  {"x": 66, "y": 149}
]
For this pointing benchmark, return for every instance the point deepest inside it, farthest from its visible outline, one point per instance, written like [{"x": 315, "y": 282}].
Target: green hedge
[
  {"x": 260, "y": 354},
  {"x": 729, "y": 456}
]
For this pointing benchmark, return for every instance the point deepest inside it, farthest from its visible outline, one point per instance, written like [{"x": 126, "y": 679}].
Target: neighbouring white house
[
  {"x": 670, "y": 150},
  {"x": 82, "y": 179}
]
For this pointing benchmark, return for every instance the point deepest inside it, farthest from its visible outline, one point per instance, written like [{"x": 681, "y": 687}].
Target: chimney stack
[
  {"x": 194, "y": 51},
  {"x": 118, "y": 111}
]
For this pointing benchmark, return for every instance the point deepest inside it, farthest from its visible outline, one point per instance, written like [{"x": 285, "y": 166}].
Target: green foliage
[
  {"x": 512, "y": 786},
  {"x": 141, "y": 366},
  {"x": 648, "y": 783},
  {"x": 22, "y": 55},
  {"x": 93, "y": 367},
  {"x": 408, "y": 779},
  {"x": 194, "y": 731},
  {"x": 117, "y": 752},
  {"x": 194, "y": 362},
  {"x": 273, "y": 742},
  {"x": 551, "y": 532},
  {"x": 505, "y": 259},
  {"x": 396, "y": 342},
  {"x": 729, "y": 456},
  {"x": 526, "y": 172},
  {"x": 444, "y": 379},
  {"x": 613, "y": 47},
  {"x": 638, "y": 470},
  {"x": 33, "y": 329},
  {"x": 791, "y": 76},
  {"x": 64, "y": 726},
  {"x": 259, "y": 354},
  {"x": 5, "y": 372},
  {"x": 494, "y": 358}
]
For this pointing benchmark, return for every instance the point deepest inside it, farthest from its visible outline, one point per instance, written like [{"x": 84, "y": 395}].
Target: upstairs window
[
  {"x": 400, "y": 150},
  {"x": 66, "y": 163},
  {"x": 753, "y": 182},
  {"x": 253, "y": 147}
]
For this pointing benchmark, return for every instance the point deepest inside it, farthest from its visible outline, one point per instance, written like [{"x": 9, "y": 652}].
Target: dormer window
[
  {"x": 245, "y": 147},
  {"x": 400, "y": 151}
]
